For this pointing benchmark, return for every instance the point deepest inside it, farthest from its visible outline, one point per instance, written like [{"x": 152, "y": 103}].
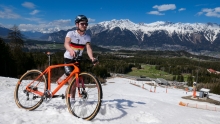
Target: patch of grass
[
  {"x": 150, "y": 71},
  {"x": 51, "y": 46}
]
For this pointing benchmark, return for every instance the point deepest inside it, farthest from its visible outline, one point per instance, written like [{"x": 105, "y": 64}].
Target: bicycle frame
[{"x": 47, "y": 71}]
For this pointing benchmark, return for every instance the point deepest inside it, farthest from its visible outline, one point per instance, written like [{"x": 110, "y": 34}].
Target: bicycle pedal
[
  {"x": 56, "y": 96},
  {"x": 62, "y": 96}
]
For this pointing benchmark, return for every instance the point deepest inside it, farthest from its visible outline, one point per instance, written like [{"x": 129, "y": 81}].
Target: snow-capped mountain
[
  {"x": 210, "y": 30},
  {"x": 126, "y": 33},
  {"x": 4, "y": 31}
]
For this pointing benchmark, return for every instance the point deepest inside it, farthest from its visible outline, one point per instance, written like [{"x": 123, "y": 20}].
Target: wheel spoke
[
  {"x": 24, "y": 98},
  {"x": 87, "y": 107}
]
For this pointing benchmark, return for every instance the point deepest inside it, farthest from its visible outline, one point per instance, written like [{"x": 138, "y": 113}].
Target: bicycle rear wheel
[
  {"x": 86, "y": 105},
  {"x": 25, "y": 99}
]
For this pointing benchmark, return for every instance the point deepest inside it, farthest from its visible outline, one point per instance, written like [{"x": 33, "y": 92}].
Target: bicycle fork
[{"x": 81, "y": 88}]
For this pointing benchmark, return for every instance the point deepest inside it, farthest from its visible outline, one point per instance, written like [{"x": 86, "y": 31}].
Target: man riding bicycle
[{"x": 77, "y": 40}]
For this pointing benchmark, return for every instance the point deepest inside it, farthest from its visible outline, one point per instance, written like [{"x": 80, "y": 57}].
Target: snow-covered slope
[{"x": 123, "y": 103}]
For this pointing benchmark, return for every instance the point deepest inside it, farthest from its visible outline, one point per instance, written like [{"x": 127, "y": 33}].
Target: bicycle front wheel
[
  {"x": 29, "y": 100},
  {"x": 84, "y": 102}
]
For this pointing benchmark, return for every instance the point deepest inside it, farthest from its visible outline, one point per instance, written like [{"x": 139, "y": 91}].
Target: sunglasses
[{"x": 84, "y": 24}]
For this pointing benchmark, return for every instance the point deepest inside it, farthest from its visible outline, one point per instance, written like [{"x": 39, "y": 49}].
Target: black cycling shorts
[{"x": 69, "y": 69}]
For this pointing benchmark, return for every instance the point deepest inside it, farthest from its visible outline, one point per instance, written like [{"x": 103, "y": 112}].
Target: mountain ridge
[
  {"x": 180, "y": 28},
  {"x": 123, "y": 32}
]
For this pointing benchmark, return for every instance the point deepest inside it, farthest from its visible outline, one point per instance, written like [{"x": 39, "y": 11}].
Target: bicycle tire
[
  {"x": 25, "y": 99},
  {"x": 93, "y": 98}
]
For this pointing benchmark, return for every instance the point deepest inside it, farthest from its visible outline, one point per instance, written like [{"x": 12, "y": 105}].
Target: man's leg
[
  {"x": 73, "y": 89},
  {"x": 68, "y": 70}
]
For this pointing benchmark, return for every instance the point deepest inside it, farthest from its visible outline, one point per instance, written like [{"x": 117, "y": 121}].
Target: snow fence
[{"x": 199, "y": 106}]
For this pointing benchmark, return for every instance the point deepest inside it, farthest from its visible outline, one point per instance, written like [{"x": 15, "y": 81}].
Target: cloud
[
  {"x": 28, "y": 5},
  {"x": 91, "y": 20},
  {"x": 34, "y": 12},
  {"x": 217, "y": 9},
  {"x": 60, "y": 22},
  {"x": 182, "y": 9},
  {"x": 48, "y": 27},
  {"x": 37, "y": 20},
  {"x": 155, "y": 13},
  {"x": 8, "y": 13},
  {"x": 165, "y": 7},
  {"x": 210, "y": 12},
  {"x": 199, "y": 13}
]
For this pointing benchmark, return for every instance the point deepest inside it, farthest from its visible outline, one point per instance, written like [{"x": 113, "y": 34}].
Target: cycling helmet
[{"x": 80, "y": 18}]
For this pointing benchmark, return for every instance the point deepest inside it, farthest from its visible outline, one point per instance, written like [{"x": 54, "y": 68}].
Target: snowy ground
[{"x": 123, "y": 103}]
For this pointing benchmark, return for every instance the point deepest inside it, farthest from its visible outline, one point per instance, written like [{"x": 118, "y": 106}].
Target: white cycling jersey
[{"x": 78, "y": 42}]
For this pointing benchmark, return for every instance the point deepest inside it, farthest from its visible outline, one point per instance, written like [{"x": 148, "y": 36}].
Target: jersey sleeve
[
  {"x": 89, "y": 39},
  {"x": 68, "y": 34}
]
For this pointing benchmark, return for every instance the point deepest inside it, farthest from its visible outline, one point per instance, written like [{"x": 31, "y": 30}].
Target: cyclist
[{"x": 77, "y": 40}]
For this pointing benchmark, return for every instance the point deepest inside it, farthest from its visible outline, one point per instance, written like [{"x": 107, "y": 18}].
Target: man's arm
[
  {"x": 89, "y": 51},
  {"x": 67, "y": 46}
]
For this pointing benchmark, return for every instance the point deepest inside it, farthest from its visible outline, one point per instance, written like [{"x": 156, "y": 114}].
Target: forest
[{"x": 16, "y": 60}]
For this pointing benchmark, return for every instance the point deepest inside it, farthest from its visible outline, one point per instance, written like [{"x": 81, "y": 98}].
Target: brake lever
[
  {"x": 76, "y": 58},
  {"x": 93, "y": 63},
  {"x": 96, "y": 60}
]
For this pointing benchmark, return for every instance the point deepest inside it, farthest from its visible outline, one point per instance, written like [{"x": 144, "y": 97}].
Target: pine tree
[
  {"x": 16, "y": 44},
  {"x": 15, "y": 37},
  {"x": 174, "y": 77},
  {"x": 7, "y": 64},
  {"x": 189, "y": 80}
]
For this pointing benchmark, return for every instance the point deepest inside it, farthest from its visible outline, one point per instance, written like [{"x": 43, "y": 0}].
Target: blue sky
[{"x": 62, "y": 12}]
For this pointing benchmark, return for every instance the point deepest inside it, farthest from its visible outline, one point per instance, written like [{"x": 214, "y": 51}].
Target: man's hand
[
  {"x": 95, "y": 61},
  {"x": 72, "y": 53}
]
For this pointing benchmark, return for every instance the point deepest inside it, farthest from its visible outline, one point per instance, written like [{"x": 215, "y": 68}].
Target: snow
[
  {"x": 211, "y": 29},
  {"x": 123, "y": 103},
  {"x": 205, "y": 90}
]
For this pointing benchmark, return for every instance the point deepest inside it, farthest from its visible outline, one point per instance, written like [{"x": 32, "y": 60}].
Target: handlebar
[{"x": 78, "y": 58}]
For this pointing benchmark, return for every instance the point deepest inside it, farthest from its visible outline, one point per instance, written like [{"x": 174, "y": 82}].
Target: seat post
[{"x": 49, "y": 54}]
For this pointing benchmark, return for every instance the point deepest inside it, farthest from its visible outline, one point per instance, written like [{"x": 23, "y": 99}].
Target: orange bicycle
[{"x": 33, "y": 88}]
